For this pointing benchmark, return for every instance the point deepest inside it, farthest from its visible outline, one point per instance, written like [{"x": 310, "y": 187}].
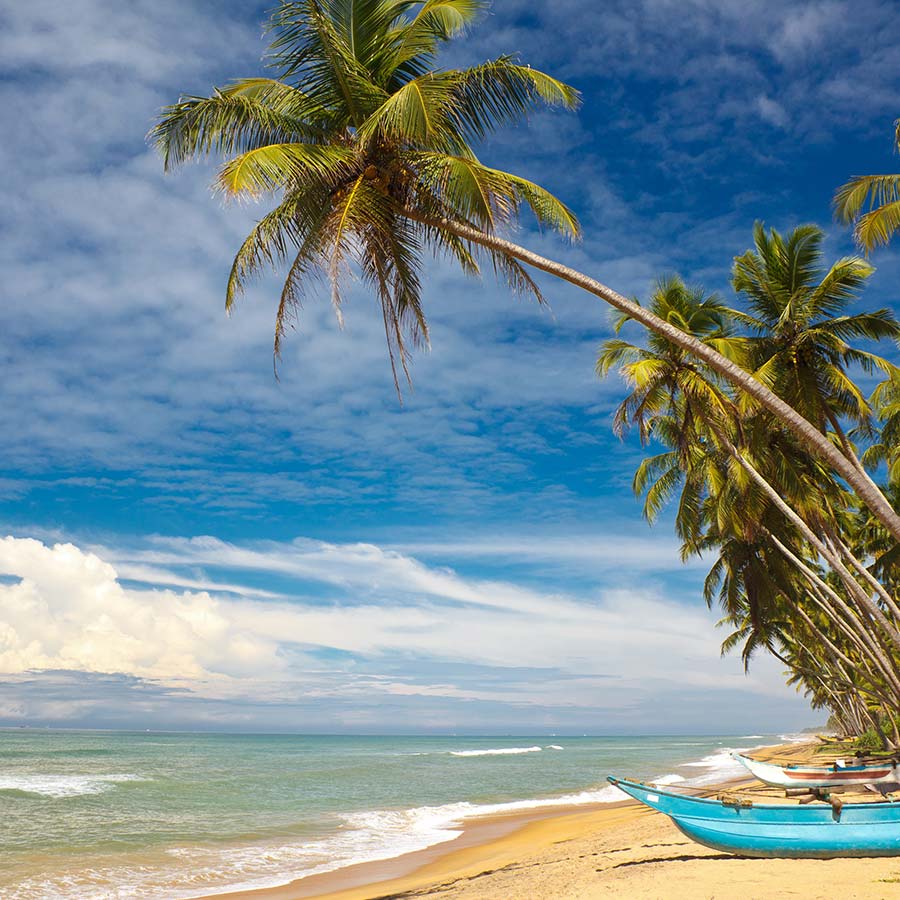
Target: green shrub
[{"x": 868, "y": 741}]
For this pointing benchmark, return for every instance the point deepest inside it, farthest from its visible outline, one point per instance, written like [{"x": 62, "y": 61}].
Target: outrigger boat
[
  {"x": 839, "y": 774},
  {"x": 777, "y": 830}
]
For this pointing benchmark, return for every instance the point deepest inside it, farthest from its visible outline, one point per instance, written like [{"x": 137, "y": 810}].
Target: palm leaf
[
  {"x": 245, "y": 115},
  {"x": 416, "y": 114},
  {"x": 276, "y": 166},
  {"x": 871, "y": 203},
  {"x": 501, "y": 92}
]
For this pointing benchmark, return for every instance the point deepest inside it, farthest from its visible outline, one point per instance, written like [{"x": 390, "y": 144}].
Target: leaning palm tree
[
  {"x": 368, "y": 149},
  {"x": 871, "y": 203},
  {"x": 799, "y": 312},
  {"x": 357, "y": 134}
]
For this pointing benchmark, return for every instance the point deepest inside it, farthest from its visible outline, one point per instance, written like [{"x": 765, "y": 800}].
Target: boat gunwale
[
  {"x": 712, "y": 801},
  {"x": 887, "y": 766}
]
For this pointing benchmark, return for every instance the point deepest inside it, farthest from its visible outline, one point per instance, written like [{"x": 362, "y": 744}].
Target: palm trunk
[
  {"x": 806, "y": 432},
  {"x": 839, "y": 659},
  {"x": 866, "y": 575},
  {"x": 861, "y": 636},
  {"x": 852, "y": 585}
]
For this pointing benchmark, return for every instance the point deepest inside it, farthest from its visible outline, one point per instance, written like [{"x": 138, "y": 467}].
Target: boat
[
  {"x": 839, "y": 774},
  {"x": 777, "y": 830}
]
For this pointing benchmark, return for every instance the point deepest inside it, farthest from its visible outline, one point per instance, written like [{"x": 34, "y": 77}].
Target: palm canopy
[
  {"x": 871, "y": 203},
  {"x": 662, "y": 370},
  {"x": 798, "y": 310},
  {"x": 886, "y": 400},
  {"x": 367, "y": 148},
  {"x": 675, "y": 400}
]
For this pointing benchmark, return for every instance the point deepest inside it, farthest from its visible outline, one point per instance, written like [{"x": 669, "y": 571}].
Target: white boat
[{"x": 839, "y": 774}]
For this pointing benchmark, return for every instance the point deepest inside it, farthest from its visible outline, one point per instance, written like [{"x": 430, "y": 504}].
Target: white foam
[
  {"x": 668, "y": 779},
  {"x": 795, "y": 738},
  {"x": 719, "y": 766},
  {"x": 554, "y": 747},
  {"x": 63, "y": 785},
  {"x": 502, "y": 751}
]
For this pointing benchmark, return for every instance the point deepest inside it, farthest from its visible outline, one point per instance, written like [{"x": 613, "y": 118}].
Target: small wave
[
  {"x": 668, "y": 779},
  {"x": 554, "y": 747},
  {"x": 59, "y": 786},
  {"x": 795, "y": 738},
  {"x": 719, "y": 766},
  {"x": 502, "y": 751}
]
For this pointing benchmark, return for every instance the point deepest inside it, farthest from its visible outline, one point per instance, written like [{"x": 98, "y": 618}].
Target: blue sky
[{"x": 193, "y": 543}]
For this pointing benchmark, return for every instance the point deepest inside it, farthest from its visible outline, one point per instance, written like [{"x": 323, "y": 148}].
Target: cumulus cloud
[
  {"x": 68, "y": 611},
  {"x": 391, "y": 627}
]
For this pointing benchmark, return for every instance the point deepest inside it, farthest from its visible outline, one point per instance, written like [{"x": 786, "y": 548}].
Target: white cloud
[
  {"x": 771, "y": 111},
  {"x": 68, "y": 611},
  {"x": 806, "y": 27}
]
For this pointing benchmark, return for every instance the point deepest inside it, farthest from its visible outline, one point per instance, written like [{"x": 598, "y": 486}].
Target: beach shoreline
[
  {"x": 522, "y": 850},
  {"x": 481, "y": 838}
]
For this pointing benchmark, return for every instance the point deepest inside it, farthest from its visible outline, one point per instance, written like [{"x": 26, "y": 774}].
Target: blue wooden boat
[{"x": 780, "y": 830}]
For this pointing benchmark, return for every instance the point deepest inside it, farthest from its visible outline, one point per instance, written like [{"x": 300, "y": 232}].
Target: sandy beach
[{"x": 609, "y": 850}]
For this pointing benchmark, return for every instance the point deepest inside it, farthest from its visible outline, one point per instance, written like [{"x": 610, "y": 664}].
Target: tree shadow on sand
[{"x": 722, "y": 857}]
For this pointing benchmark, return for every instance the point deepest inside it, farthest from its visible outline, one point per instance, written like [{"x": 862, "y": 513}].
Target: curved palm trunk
[
  {"x": 806, "y": 432},
  {"x": 865, "y": 638},
  {"x": 839, "y": 659},
  {"x": 827, "y": 554},
  {"x": 865, "y": 574}
]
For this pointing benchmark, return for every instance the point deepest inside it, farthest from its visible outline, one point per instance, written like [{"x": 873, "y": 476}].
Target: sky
[{"x": 191, "y": 543}]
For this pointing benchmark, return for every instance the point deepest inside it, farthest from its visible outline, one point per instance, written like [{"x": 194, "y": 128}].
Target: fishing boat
[
  {"x": 777, "y": 830},
  {"x": 839, "y": 774}
]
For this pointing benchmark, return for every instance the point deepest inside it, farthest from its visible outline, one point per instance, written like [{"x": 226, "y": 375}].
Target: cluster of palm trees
[
  {"x": 367, "y": 150},
  {"x": 800, "y": 568}
]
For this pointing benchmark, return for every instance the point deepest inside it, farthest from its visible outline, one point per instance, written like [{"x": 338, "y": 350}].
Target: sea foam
[
  {"x": 60, "y": 786},
  {"x": 501, "y": 751}
]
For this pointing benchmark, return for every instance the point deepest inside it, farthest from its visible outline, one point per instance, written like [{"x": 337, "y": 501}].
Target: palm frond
[
  {"x": 501, "y": 91},
  {"x": 248, "y": 114},
  {"x": 417, "y": 114},
  {"x": 435, "y": 21},
  {"x": 872, "y": 204},
  {"x": 277, "y": 166},
  {"x": 271, "y": 240}
]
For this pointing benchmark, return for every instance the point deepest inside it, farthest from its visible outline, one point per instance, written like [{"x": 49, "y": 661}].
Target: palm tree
[
  {"x": 871, "y": 203},
  {"x": 886, "y": 401},
  {"x": 798, "y": 310},
  {"x": 358, "y": 130},
  {"x": 368, "y": 149},
  {"x": 674, "y": 399},
  {"x": 746, "y": 490}
]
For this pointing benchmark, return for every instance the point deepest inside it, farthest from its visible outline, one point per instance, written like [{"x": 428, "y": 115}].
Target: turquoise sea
[{"x": 87, "y": 814}]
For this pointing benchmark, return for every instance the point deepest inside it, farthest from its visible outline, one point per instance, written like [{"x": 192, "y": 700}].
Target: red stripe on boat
[{"x": 844, "y": 776}]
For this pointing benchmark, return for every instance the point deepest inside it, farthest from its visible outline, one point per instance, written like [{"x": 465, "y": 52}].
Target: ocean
[{"x": 88, "y": 814}]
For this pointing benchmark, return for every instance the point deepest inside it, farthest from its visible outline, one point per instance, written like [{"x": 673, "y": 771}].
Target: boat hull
[
  {"x": 800, "y": 776},
  {"x": 778, "y": 830}
]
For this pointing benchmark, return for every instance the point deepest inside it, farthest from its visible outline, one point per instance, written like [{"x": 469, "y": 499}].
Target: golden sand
[{"x": 610, "y": 850}]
